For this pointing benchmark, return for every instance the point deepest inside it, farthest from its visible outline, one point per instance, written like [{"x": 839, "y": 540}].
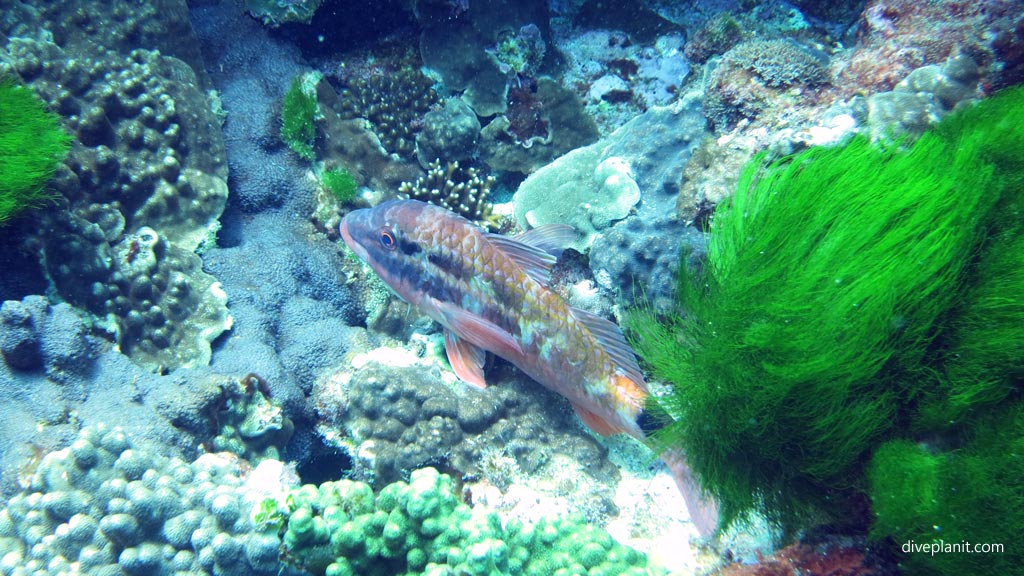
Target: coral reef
[
  {"x": 754, "y": 74},
  {"x": 617, "y": 78},
  {"x": 273, "y": 13},
  {"x": 897, "y": 36},
  {"x": 393, "y": 103},
  {"x": 832, "y": 557},
  {"x": 32, "y": 144},
  {"x": 28, "y": 343},
  {"x": 585, "y": 189},
  {"x": 250, "y": 424},
  {"x": 407, "y": 413},
  {"x": 922, "y": 98},
  {"x": 142, "y": 190},
  {"x": 340, "y": 528},
  {"x": 521, "y": 52},
  {"x": 106, "y": 506},
  {"x": 596, "y": 188},
  {"x": 462, "y": 43},
  {"x": 57, "y": 375},
  {"x": 537, "y": 126},
  {"x": 801, "y": 375},
  {"x": 631, "y": 16},
  {"x": 160, "y": 26},
  {"x": 458, "y": 189},
  {"x": 452, "y": 132},
  {"x": 716, "y": 36},
  {"x": 257, "y": 70}
]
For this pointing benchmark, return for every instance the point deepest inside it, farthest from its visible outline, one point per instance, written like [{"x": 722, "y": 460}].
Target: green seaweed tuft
[
  {"x": 970, "y": 496},
  {"x": 32, "y": 145},
  {"x": 298, "y": 119},
  {"x": 812, "y": 331},
  {"x": 340, "y": 183}
]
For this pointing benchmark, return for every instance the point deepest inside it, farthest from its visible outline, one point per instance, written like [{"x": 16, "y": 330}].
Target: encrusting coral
[{"x": 141, "y": 191}]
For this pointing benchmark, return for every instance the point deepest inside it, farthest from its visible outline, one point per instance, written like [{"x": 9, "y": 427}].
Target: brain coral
[
  {"x": 778, "y": 62},
  {"x": 752, "y": 78}
]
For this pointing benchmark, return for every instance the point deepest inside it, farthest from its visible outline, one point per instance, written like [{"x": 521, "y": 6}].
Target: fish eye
[{"x": 387, "y": 239}]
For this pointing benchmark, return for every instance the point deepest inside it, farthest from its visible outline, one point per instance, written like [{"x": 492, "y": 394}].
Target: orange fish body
[{"x": 490, "y": 293}]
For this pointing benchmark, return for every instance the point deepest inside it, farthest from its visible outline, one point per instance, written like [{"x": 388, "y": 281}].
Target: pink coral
[
  {"x": 897, "y": 36},
  {"x": 831, "y": 559}
]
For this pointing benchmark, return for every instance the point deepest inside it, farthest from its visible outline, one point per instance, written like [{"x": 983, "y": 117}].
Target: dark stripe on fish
[
  {"x": 408, "y": 248},
  {"x": 507, "y": 297},
  {"x": 449, "y": 266}
]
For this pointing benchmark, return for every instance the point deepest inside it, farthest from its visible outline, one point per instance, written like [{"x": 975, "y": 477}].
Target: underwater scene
[{"x": 511, "y": 287}]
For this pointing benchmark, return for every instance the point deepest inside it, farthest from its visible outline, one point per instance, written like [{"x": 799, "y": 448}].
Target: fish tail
[{"x": 703, "y": 507}]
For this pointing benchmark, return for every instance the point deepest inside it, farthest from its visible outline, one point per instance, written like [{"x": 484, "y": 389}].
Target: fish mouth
[{"x": 352, "y": 244}]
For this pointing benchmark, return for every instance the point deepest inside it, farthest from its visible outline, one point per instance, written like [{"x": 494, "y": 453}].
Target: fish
[{"x": 492, "y": 293}]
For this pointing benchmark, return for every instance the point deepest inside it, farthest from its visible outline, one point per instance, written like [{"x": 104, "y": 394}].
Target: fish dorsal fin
[
  {"x": 537, "y": 250},
  {"x": 478, "y": 330},
  {"x": 551, "y": 238},
  {"x": 614, "y": 343},
  {"x": 466, "y": 359},
  {"x": 534, "y": 261}
]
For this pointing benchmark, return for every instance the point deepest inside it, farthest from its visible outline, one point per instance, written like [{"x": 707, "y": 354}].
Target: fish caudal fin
[
  {"x": 702, "y": 507},
  {"x": 467, "y": 360}
]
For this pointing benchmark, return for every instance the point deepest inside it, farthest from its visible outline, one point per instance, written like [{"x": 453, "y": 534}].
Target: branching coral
[
  {"x": 461, "y": 190},
  {"x": 393, "y": 103}
]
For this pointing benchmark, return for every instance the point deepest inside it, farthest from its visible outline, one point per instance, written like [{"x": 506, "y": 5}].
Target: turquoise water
[{"x": 200, "y": 376}]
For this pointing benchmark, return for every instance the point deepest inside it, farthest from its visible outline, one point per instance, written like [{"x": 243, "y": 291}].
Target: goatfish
[{"x": 491, "y": 293}]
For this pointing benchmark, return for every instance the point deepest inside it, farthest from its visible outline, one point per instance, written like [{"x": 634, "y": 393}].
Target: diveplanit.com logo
[{"x": 942, "y": 547}]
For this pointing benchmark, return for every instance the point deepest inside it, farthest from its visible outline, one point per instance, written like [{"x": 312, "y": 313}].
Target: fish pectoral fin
[
  {"x": 467, "y": 360},
  {"x": 595, "y": 422},
  {"x": 479, "y": 331}
]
